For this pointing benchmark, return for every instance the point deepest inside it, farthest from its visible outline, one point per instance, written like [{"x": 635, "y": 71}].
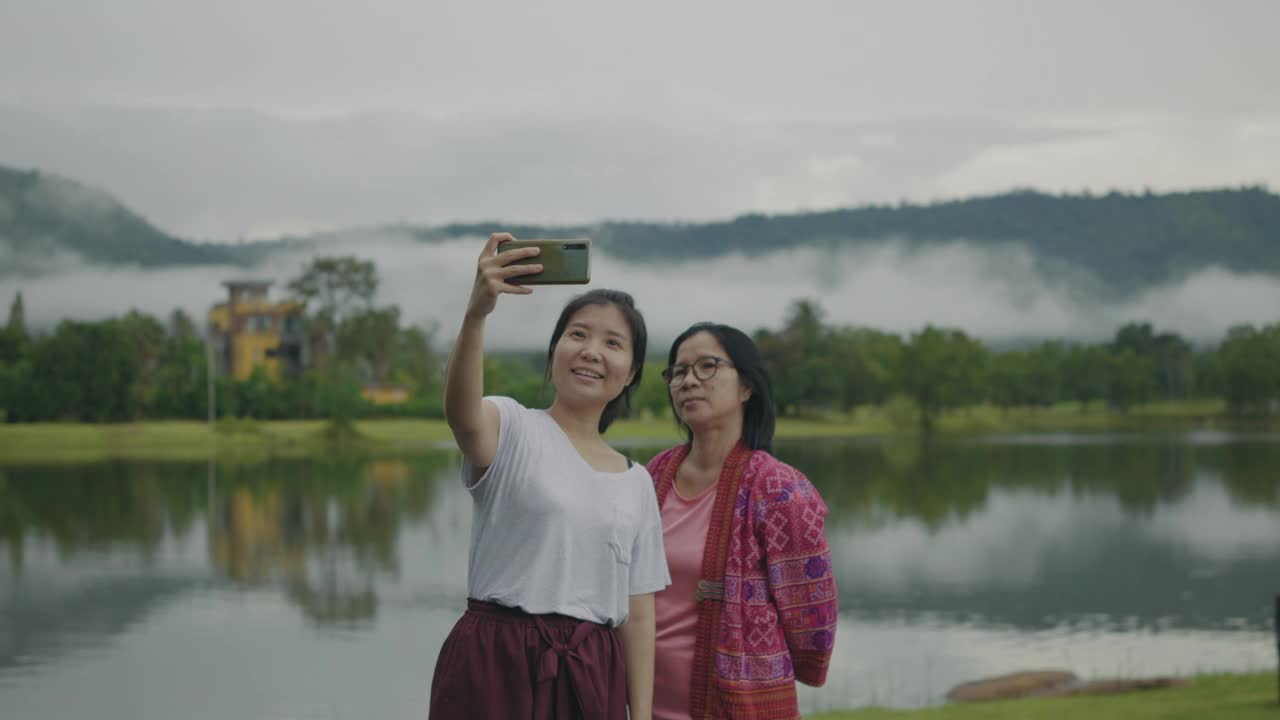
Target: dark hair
[
  {"x": 639, "y": 340},
  {"x": 758, "y": 416}
]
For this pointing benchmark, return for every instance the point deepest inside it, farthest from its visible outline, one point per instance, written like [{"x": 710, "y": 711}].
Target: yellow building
[{"x": 250, "y": 331}]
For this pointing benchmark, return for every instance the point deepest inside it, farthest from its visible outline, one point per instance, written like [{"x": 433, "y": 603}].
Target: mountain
[
  {"x": 1128, "y": 242},
  {"x": 46, "y": 219},
  {"x": 1124, "y": 240}
]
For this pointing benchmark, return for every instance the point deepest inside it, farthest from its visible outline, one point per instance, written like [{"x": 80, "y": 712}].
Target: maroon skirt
[{"x": 501, "y": 662}]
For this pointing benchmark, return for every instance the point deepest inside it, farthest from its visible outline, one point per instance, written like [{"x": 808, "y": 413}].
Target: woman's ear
[{"x": 744, "y": 394}]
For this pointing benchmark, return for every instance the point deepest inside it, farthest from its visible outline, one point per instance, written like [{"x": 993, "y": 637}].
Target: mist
[{"x": 997, "y": 293}]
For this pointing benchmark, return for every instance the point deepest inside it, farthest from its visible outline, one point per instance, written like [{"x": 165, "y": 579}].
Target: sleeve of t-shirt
[
  {"x": 510, "y": 437},
  {"x": 649, "y": 571}
]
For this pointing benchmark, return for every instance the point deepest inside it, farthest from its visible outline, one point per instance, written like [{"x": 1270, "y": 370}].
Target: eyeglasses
[{"x": 704, "y": 368}]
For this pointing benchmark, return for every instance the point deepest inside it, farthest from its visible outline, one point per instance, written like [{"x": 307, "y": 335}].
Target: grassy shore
[
  {"x": 1216, "y": 697},
  {"x": 248, "y": 440}
]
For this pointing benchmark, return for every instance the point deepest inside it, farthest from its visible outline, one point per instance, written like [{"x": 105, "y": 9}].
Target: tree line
[
  {"x": 138, "y": 366},
  {"x": 816, "y": 365}
]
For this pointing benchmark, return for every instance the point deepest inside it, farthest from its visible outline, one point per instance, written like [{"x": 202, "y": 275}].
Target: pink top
[{"x": 684, "y": 533}]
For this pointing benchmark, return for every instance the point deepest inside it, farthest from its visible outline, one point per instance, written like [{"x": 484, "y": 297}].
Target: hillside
[
  {"x": 46, "y": 220},
  {"x": 1125, "y": 240},
  {"x": 1128, "y": 241}
]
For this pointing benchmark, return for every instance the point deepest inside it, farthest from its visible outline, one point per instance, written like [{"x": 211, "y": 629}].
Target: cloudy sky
[{"x": 237, "y": 119}]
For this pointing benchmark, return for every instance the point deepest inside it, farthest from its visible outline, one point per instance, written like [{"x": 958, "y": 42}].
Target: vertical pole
[{"x": 210, "y": 369}]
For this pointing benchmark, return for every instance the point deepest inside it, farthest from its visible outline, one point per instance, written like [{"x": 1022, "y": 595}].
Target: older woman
[{"x": 751, "y": 607}]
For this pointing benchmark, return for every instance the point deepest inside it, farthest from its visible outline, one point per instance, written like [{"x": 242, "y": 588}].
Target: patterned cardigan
[{"x": 767, "y": 597}]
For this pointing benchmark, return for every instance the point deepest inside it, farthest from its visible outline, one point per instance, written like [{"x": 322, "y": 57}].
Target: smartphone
[{"x": 564, "y": 262}]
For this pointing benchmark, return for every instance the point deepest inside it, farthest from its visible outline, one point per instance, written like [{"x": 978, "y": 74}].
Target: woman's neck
[
  {"x": 711, "y": 446},
  {"x": 579, "y": 424}
]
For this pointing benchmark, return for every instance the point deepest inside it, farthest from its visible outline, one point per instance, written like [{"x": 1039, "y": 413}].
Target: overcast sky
[{"x": 229, "y": 119}]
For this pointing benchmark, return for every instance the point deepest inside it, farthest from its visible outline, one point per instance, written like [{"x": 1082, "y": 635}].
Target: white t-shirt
[{"x": 553, "y": 535}]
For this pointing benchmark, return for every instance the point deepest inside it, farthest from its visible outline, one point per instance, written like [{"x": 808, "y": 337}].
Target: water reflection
[
  {"x": 1073, "y": 547},
  {"x": 324, "y": 533},
  {"x": 1156, "y": 530},
  {"x": 938, "y": 482}
]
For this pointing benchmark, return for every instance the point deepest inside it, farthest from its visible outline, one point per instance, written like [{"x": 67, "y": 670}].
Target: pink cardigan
[{"x": 767, "y": 598}]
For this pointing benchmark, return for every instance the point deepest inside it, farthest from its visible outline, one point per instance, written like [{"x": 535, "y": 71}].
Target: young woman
[
  {"x": 566, "y": 543},
  {"x": 752, "y": 604}
]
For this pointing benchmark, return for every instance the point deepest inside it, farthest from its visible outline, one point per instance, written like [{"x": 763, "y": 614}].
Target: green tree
[
  {"x": 1032, "y": 377},
  {"x": 1010, "y": 377},
  {"x": 1170, "y": 357},
  {"x": 338, "y": 396},
  {"x": 17, "y": 317},
  {"x": 13, "y": 337},
  {"x": 181, "y": 389},
  {"x": 1130, "y": 379},
  {"x": 144, "y": 338},
  {"x": 1206, "y": 374},
  {"x": 652, "y": 396},
  {"x": 415, "y": 362},
  {"x": 943, "y": 369},
  {"x": 866, "y": 365},
  {"x": 259, "y": 396},
  {"x": 1085, "y": 373},
  {"x": 518, "y": 378},
  {"x": 367, "y": 338},
  {"x": 799, "y": 360},
  {"x": 1046, "y": 383},
  {"x": 181, "y": 327},
  {"x": 1249, "y": 369},
  {"x": 336, "y": 286},
  {"x": 18, "y": 393},
  {"x": 332, "y": 289},
  {"x": 85, "y": 372}
]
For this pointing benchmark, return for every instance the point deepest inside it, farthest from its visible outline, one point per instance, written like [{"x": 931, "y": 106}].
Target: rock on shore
[{"x": 1051, "y": 683}]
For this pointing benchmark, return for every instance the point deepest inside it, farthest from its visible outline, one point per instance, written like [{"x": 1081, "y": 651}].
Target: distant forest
[
  {"x": 1129, "y": 242},
  {"x": 1123, "y": 239}
]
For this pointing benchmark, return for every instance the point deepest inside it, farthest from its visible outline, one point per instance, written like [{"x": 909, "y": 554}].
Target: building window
[{"x": 258, "y": 323}]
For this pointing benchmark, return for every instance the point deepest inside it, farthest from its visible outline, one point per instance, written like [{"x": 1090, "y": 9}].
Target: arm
[
  {"x": 474, "y": 422},
  {"x": 801, "y": 581},
  {"x": 638, "y": 634}
]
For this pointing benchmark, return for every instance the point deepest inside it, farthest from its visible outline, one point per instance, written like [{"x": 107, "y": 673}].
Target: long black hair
[
  {"x": 639, "y": 341},
  {"x": 758, "y": 415}
]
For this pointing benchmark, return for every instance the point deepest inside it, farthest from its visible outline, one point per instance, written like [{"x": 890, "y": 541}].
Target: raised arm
[{"x": 474, "y": 422}]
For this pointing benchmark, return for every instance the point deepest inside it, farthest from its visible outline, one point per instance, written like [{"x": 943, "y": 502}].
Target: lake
[{"x": 323, "y": 588}]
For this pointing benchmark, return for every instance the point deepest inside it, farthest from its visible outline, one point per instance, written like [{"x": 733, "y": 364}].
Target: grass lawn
[
  {"x": 1214, "y": 697},
  {"x": 248, "y": 440}
]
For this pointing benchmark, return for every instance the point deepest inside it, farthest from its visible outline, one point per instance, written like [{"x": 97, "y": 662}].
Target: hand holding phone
[
  {"x": 497, "y": 273},
  {"x": 564, "y": 262}
]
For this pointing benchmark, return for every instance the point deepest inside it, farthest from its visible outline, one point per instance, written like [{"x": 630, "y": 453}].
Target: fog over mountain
[
  {"x": 1011, "y": 267},
  {"x": 996, "y": 292}
]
